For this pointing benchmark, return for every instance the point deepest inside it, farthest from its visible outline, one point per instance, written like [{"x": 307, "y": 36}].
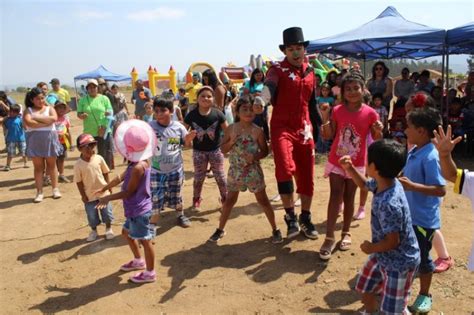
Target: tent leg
[
  {"x": 365, "y": 72},
  {"x": 447, "y": 80},
  {"x": 443, "y": 64},
  {"x": 77, "y": 97}
]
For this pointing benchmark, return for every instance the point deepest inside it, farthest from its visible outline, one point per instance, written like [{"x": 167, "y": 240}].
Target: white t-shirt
[{"x": 465, "y": 185}]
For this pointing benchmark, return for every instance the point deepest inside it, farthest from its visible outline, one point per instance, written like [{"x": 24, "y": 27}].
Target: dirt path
[{"x": 46, "y": 265}]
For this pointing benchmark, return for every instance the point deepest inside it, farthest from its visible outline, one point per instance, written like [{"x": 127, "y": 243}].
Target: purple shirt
[{"x": 140, "y": 202}]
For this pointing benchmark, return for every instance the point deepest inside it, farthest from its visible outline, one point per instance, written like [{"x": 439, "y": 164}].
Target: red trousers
[{"x": 293, "y": 158}]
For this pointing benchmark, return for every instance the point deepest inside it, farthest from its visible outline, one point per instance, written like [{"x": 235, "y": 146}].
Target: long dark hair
[
  {"x": 213, "y": 81},
  {"x": 4, "y": 98},
  {"x": 34, "y": 92},
  {"x": 245, "y": 99},
  {"x": 385, "y": 69},
  {"x": 252, "y": 77}
]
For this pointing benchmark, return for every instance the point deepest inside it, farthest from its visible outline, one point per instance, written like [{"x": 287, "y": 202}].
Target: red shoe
[
  {"x": 196, "y": 204},
  {"x": 443, "y": 264}
]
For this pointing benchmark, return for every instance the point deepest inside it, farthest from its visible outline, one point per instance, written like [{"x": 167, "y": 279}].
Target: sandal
[
  {"x": 326, "y": 251},
  {"x": 346, "y": 241}
]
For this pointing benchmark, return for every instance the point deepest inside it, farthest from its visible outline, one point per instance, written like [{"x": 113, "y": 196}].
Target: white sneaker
[
  {"x": 276, "y": 198},
  {"x": 38, "y": 198},
  {"x": 298, "y": 203},
  {"x": 109, "y": 234},
  {"x": 56, "y": 193},
  {"x": 92, "y": 236}
]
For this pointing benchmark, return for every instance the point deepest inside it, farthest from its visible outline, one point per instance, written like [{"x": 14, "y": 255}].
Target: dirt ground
[{"x": 47, "y": 267}]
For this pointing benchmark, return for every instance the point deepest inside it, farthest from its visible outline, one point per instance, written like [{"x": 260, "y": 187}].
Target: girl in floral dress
[{"x": 246, "y": 145}]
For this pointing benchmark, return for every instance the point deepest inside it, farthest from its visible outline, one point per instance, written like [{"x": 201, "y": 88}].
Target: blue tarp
[
  {"x": 101, "y": 72},
  {"x": 388, "y": 36},
  {"x": 460, "y": 40}
]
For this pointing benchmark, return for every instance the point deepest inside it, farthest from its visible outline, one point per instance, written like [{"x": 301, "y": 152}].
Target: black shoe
[
  {"x": 276, "y": 237},
  {"x": 218, "y": 234},
  {"x": 293, "y": 228},
  {"x": 307, "y": 227}
]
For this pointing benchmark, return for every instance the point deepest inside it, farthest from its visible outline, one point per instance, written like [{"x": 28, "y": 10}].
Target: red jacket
[{"x": 294, "y": 90}]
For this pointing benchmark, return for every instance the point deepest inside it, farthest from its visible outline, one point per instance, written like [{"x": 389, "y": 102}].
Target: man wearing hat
[
  {"x": 63, "y": 95},
  {"x": 191, "y": 89},
  {"x": 289, "y": 85},
  {"x": 140, "y": 96}
]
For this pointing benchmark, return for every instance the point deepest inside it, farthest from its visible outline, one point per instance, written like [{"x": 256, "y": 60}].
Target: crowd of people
[{"x": 365, "y": 128}]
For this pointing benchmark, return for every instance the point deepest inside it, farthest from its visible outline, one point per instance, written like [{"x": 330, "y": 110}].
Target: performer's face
[{"x": 295, "y": 55}]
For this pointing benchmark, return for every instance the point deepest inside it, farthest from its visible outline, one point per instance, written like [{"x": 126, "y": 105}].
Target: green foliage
[
  {"x": 22, "y": 89},
  {"x": 470, "y": 62}
]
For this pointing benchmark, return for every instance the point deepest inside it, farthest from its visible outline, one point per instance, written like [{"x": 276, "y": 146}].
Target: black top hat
[{"x": 293, "y": 36}]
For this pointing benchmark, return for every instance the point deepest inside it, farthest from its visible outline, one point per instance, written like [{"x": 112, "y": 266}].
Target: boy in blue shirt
[
  {"x": 15, "y": 136},
  {"x": 424, "y": 187},
  {"x": 394, "y": 253}
]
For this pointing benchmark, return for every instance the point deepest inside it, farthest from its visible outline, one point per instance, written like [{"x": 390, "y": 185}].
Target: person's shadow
[
  {"x": 77, "y": 297},
  {"x": 87, "y": 249},
  {"x": 338, "y": 299},
  {"x": 188, "y": 264}
]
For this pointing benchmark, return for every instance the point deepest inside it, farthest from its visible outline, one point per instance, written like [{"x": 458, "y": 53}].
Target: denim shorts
[
  {"x": 93, "y": 218},
  {"x": 425, "y": 240},
  {"x": 139, "y": 227},
  {"x": 13, "y": 146}
]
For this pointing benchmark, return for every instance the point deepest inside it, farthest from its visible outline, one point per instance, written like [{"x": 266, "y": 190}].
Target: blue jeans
[
  {"x": 323, "y": 146},
  {"x": 93, "y": 218}
]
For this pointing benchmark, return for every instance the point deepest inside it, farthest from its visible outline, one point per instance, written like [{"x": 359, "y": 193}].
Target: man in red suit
[{"x": 290, "y": 87}]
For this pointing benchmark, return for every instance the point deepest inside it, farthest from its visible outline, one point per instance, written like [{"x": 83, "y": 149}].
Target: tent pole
[
  {"x": 447, "y": 76},
  {"x": 77, "y": 98},
  {"x": 365, "y": 70},
  {"x": 443, "y": 64}
]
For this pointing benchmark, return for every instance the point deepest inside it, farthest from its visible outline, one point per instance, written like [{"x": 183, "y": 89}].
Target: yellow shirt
[
  {"x": 192, "y": 89},
  {"x": 63, "y": 95},
  {"x": 91, "y": 175}
]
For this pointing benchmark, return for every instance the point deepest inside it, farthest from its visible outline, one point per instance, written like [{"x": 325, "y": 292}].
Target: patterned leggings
[{"x": 200, "y": 161}]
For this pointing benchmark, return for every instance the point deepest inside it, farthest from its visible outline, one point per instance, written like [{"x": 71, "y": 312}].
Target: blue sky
[{"x": 40, "y": 40}]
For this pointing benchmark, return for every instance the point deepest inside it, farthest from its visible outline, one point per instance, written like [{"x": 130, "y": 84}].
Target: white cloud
[
  {"x": 93, "y": 15},
  {"x": 49, "y": 22},
  {"x": 161, "y": 13}
]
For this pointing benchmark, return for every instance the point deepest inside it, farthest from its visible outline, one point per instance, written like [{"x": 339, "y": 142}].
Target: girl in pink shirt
[{"x": 349, "y": 126}]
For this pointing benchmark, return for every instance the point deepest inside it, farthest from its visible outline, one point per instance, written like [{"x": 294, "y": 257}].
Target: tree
[
  {"x": 21, "y": 89},
  {"x": 470, "y": 62}
]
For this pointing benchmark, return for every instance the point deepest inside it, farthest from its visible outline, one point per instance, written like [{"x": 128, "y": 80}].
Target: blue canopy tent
[
  {"x": 388, "y": 36},
  {"x": 100, "y": 72},
  {"x": 460, "y": 40}
]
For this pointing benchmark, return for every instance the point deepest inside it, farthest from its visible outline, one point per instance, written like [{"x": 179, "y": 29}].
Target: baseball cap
[
  {"x": 92, "y": 81},
  {"x": 101, "y": 81},
  {"x": 54, "y": 81},
  {"x": 85, "y": 139}
]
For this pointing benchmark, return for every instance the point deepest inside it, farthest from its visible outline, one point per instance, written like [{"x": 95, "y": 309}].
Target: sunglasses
[{"x": 90, "y": 145}]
